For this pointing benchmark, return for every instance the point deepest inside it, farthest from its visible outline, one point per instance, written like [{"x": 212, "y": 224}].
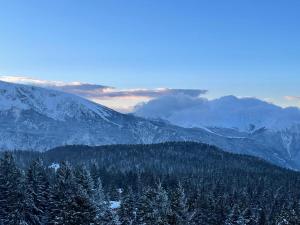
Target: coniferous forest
[{"x": 168, "y": 183}]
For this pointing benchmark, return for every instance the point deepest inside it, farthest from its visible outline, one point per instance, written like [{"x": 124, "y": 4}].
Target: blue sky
[{"x": 240, "y": 47}]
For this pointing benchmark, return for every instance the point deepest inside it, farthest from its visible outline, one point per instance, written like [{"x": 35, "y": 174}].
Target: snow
[
  {"x": 51, "y": 103},
  {"x": 220, "y": 135},
  {"x": 54, "y": 166},
  {"x": 115, "y": 204}
]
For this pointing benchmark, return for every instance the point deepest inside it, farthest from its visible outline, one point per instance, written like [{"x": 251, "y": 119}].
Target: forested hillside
[{"x": 170, "y": 183}]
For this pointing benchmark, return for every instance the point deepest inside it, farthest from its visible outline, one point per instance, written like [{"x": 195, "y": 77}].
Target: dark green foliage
[
  {"x": 180, "y": 214},
  {"x": 69, "y": 201},
  {"x": 127, "y": 211},
  {"x": 168, "y": 183},
  {"x": 37, "y": 193},
  {"x": 12, "y": 196}
]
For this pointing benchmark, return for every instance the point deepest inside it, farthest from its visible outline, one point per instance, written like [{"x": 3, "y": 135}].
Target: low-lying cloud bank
[
  {"x": 118, "y": 99},
  {"x": 229, "y": 112}
]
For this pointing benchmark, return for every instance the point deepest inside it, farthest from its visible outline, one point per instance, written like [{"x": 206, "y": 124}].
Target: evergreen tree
[
  {"x": 127, "y": 211},
  {"x": 247, "y": 218},
  {"x": 145, "y": 207},
  {"x": 94, "y": 173},
  {"x": 180, "y": 211},
  {"x": 12, "y": 196},
  {"x": 84, "y": 179},
  {"x": 161, "y": 206},
  {"x": 262, "y": 220},
  {"x": 233, "y": 217},
  {"x": 37, "y": 193},
  {"x": 70, "y": 204}
]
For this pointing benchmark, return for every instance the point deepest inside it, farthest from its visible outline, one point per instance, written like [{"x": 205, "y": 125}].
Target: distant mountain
[
  {"x": 39, "y": 119},
  {"x": 271, "y": 127},
  {"x": 243, "y": 114},
  {"x": 34, "y": 118}
]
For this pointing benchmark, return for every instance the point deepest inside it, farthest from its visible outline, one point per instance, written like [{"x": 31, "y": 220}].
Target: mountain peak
[{"x": 51, "y": 103}]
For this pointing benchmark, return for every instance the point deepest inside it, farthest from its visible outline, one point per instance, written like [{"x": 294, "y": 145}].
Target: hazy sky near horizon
[{"x": 240, "y": 47}]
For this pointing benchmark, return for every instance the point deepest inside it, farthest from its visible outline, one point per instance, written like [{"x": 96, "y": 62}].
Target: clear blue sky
[{"x": 241, "y": 47}]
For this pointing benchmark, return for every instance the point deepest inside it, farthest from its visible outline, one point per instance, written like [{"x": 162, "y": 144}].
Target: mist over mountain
[{"x": 244, "y": 114}]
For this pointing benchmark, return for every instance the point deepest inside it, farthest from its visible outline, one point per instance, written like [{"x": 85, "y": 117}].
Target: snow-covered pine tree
[
  {"x": 84, "y": 179},
  {"x": 70, "y": 204},
  {"x": 37, "y": 193},
  {"x": 262, "y": 219},
  {"x": 201, "y": 214},
  {"x": 180, "y": 212},
  {"x": 11, "y": 192},
  {"x": 233, "y": 217},
  {"x": 247, "y": 218},
  {"x": 104, "y": 214},
  {"x": 127, "y": 211},
  {"x": 161, "y": 206},
  {"x": 145, "y": 208}
]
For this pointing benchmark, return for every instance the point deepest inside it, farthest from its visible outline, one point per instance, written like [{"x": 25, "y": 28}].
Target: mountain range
[{"x": 35, "y": 118}]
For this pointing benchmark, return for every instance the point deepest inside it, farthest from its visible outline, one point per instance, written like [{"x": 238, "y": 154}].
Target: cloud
[
  {"x": 34, "y": 81},
  {"x": 154, "y": 93},
  {"x": 123, "y": 100},
  {"x": 228, "y": 111},
  {"x": 292, "y": 98},
  {"x": 165, "y": 106}
]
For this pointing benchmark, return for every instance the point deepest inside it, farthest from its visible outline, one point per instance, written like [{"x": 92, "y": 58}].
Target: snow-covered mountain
[
  {"x": 38, "y": 119},
  {"x": 34, "y": 118},
  {"x": 244, "y": 114},
  {"x": 271, "y": 127}
]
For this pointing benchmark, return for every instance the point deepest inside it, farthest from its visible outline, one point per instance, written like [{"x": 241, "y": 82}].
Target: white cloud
[
  {"x": 228, "y": 111},
  {"x": 34, "y": 81},
  {"x": 123, "y": 100},
  {"x": 292, "y": 98}
]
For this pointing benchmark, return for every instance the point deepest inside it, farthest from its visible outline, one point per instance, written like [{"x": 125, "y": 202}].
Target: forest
[{"x": 167, "y": 183}]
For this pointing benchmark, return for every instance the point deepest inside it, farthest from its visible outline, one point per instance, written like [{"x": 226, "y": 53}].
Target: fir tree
[
  {"x": 262, "y": 220},
  {"x": 145, "y": 207},
  {"x": 233, "y": 217},
  {"x": 84, "y": 179},
  {"x": 70, "y": 204},
  {"x": 12, "y": 196},
  {"x": 246, "y": 218},
  {"x": 37, "y": 193},
  {"x": 180, "y": 212},
  {"x": 127, "y": 211}
]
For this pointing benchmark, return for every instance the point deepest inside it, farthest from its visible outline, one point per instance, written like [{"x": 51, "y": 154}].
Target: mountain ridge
[{"x": 34, "y": 118}]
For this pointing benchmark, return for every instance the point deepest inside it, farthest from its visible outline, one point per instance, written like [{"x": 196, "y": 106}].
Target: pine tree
[
  {"x": 247, "y": 218},
  {"x": 37, "y": 193},
  {"x": 161, "y": 205},
  {"x": 94, "y": 172},
  {"x": 99, "y": 200},
  {"x": 262, "y": 220},
  {"x": 84, "y": 179},
  {"x": 180, "y": 211},
  {"x": 127, "y": 211},
  {"x": 201, "y": 214},
  {"x": 144, "y": 213},
  {"x": 233, "y": 217},
  {"x": 104, "y": 214},
  {"x": 12, "y": 194},
  {"x": 70, "y": 203}
]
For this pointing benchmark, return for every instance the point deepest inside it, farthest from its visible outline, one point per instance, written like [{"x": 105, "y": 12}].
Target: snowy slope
[{"x": 53, "y": 104}]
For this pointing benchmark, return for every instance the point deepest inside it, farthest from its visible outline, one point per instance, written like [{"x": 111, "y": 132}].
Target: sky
[{"x": 233, "y": 47}]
